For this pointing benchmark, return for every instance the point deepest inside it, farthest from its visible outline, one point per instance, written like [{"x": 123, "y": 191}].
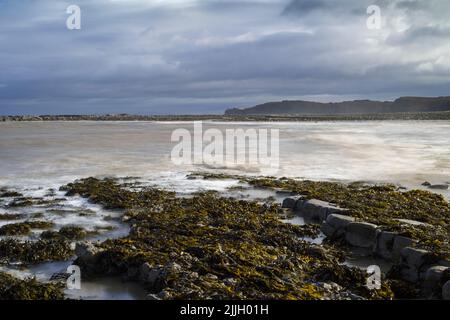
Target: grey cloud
[{"x": 140, "y": 58}]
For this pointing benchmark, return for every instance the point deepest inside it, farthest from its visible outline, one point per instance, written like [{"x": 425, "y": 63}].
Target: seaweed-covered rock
[
  {"x": 9, "y": 194},
  {"x": 66, "y": 233},
  {"x": 382, "y": 205},
  {"x": 23, "y": 228},
  {"x": 87, "y": 253},
  {"x": 210, "y": 247},
  {"x": 11, "y": 216},
  {"x": 29, "y": 289},
  {"x": 362, "y": 234},
  {"x": 32, "y": 252},
  {"x": 15, "y": 229},
  {"x": 73, "y": 232}
]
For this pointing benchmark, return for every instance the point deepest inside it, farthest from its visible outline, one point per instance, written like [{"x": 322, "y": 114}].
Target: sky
[{"x": 204, "y": 56}]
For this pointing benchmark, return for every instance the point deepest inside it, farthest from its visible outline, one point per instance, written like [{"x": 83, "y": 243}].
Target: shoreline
[
  {"x": 422, "y": 116},
  {"x": 135, "y": 203}
]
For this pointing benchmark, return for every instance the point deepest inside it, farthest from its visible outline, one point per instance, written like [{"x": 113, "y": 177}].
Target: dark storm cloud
[
  {"x": 174, "y": 56},
  {"x": 303, "y": 6}
]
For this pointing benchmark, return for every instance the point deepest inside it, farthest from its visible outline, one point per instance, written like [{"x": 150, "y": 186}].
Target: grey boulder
[
  {"x": 411, "y": 263},
  {"x": 335, "y": 225},
  {"x": 362, "y": 234}
]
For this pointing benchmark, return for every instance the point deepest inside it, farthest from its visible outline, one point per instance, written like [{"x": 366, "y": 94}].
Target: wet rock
[
  {"x": 446, "y": 291},
  {"x": 10, "y": 194},
  {"x": 432, "y": 282},
  {"x": 401, "y": 242},
  {"x": 335, "y": 225},
  {"x": 411, "y": 222},
  {"x": 11, "y": 216},
  {"x": 426, "y": 184},
  {"x": 412, "y": 261},
  {"x": 362, "y": 234},
  {"x": 87, "y": 253},
  {"x": 439, "y": 186},
  {"x": 153, "y": 277},
  {"x": 282, "y": 192},
  {"x": 290, "y": 202},
  {"x": 59, "y": 277},
  {"x": 15, "y": 229},
  {"x": 385, "y": 244},
  {"x": 12, "y": 288},
  {"x": 317, "y": 209}
]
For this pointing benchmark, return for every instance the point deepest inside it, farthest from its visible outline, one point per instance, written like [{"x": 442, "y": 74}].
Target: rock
[
  {"x": 439, "y": 186},
  {"x": 446, "y": 291},
  {"x": 385, "y": 245},
  {"x": 444, "y": 263},
  {"x": 335, "y": 225},
  {"x": 282, "y": 192},
  {"x": 60, "y": 277},
  {"x": 299, "y": 205},
  {"x": 317, "y": 209},
  {"x": 290, "y": 202},
  {"x": 426, "y": 184},
  {"x": 412, "y": 222},
  {"x": 328, "y": 230},
  {"x": 87, "y": 252},
  {"x": 230, "y": 282},
  {"x": 362, "y": 234},
  {"x": 432, "y": 281},
  {"x": 339, "y": 221},
  {"x": 411, "y": 263},
  {"x": 400, "y": 242},
  {"x": 153, "y": 277}
]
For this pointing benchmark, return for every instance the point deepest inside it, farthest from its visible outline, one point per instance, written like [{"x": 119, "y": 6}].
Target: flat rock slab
[
  {"x": 412, "y": 222},
  {"x": 335, "y": 224},
  {"x": 317, "y": 209},
  {"x": 362, "y": 234}
]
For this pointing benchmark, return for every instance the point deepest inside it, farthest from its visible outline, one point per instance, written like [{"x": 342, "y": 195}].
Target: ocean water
[{"x": 48, "y": 154}]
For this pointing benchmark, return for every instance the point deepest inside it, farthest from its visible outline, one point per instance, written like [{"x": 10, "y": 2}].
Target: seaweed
[
  {"x": 23, "y": 228},
  {"x": 66, "y": 232},
  {"x": 30, "y": 252},
  {"x": 211, "y": 247},
  {"x": 11, "y": 216},
  {"x": 12, "y": 288}
]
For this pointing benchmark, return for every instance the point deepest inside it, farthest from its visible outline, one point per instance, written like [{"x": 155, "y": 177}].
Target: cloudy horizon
[{"x": 194, "y": 56}]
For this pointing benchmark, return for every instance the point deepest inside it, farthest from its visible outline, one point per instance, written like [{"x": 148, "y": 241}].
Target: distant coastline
[
  {"x": 444, "y": 115},
  {"x": 355, "y": 107}
]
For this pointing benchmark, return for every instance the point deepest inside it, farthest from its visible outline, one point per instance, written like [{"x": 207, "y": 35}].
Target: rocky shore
[
  {"x": 213, "y": 246},
  {"x": 437, "y": 115}
]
